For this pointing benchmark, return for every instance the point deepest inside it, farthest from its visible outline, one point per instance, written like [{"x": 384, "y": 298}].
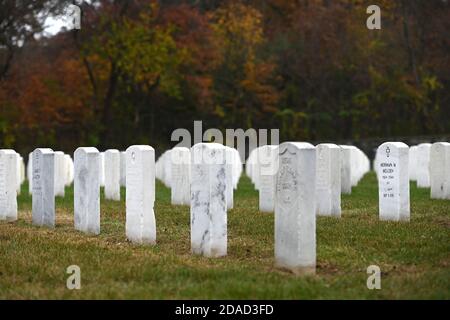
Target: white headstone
[
  {"x": 43, "y": 193},
  {"x": 60, "y": 174},
  {"x": 237, "y": 168},
  {"x": 18, "y": 179},
  {"x": 167, "y": 169},
  {"x": 252, "y": 168},
  {"x": 8, "y": 192},
  {"x": 328, "y": 180},
  {"x": 440, "y": 170},
  {"x": 208, "y": 200},
  {"x": 295, "y": 209},
  {"x": 346, "y": 169},
  {"x": 22, "y": 170},
  {"x": 393, "y": 181},
  {"x": 123, "y": 168},
  {"x": 112, "y": 174},
  {"x": 267, "y": 159},
  {"x": 140, "y": 194},
  {"x": 423, "y": 162},
  {"x": 102, "y": 169},
  {"x": 87, "y": 190},
  {"x": 68, "y": 169},
  {"x": 180, "y": 185},
  {"x": 30, "y": 172}
]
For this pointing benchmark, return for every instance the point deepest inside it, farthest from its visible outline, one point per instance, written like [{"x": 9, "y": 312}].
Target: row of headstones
[
  {"x": 173, "y": 169},
  {"x": 208, "y": 190},
  {"x": 295, "y": 196},
  {"x": 338, "y": 169},
  {"x": 428, "y": 165},
  {"x": 45, "y": 173},
  {"x": 64, "y": 172}
]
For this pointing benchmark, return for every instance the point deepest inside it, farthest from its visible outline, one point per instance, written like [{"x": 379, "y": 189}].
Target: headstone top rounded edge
[
  {"x": 140, "y": 147},
  {"x": 399, "y": 145},
  {"x": 112, "y": 151},
  {"x": 8, "y": 151},
  {"x": 425, "y": 144},
  {"x": 329, "y": 145},
  {"x": 209, "y": 145},
  {"x": 87, "y": 150},
  {"x": 44, "y": 150},
  {"x": 441, "y": 143}
]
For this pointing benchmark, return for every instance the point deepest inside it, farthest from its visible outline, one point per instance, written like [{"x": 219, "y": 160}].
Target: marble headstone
[
  {"x": 112, "y": 174},
  {"x": 140, "y": 194},
  {"x": 423, "y": 162},
  {"x": 102, "y": 169},
  {"x": 60, "y": 175},
  {"x": 208, "y": 200},
  {"x": 30, "y": 172},
  {"x": 295, "y": 208},
  {"x": 180, "y": 185},
  {"x": 68, "y": 170},
  {"x": 8, "y": 183},
  {"x": 440, "y": 170},
  {"x": 18, "y": 178},
  {"x": 43, "y": 203},
  {"x": 123, "y": 168},
  {"x": 237, "y": 167},
  {"x": 267, "y": 158},
  {"x": 87, "y": 190},
  {"x": 393, "y": 181},
  {"x": 328, "y": 180},
  {"x": 346, "y": 169}
]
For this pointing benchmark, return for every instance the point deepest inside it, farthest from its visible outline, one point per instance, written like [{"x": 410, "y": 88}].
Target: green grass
[{"x": 413, "y": 257}]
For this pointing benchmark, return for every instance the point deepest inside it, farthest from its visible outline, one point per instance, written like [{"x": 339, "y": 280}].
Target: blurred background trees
[{"x": 137, "y": 70}]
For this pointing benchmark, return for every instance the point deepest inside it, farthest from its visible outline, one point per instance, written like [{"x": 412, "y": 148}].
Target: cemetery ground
[{"x": 414, "y": 257}]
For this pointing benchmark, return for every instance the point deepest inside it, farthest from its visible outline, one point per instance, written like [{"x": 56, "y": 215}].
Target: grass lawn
[{"x": 414, "y": 257}]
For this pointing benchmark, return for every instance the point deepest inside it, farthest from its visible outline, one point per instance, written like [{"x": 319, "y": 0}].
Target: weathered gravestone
[
  {"x": 140, "y": 194},
  {"x": 60, "y": 176},
  {"x": 440, "y": 170},
  {"x": 180, "y": 185},
  {"x": 8, "y": 183},
  {"x": 87, "y": 190},
  {"x": 393, "y": 181},
  {"x": 295, "y": 209},
  {"x": 208, "y": 200},
  {"x": 328, "y": 180},
  {"x": 43, "y": 195},
  {"x": 112, "y": 174},
  {"x": 423, "y": 162},
  {"x": 346, "y": 169},
  {"x": 267, "y": 159}
]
